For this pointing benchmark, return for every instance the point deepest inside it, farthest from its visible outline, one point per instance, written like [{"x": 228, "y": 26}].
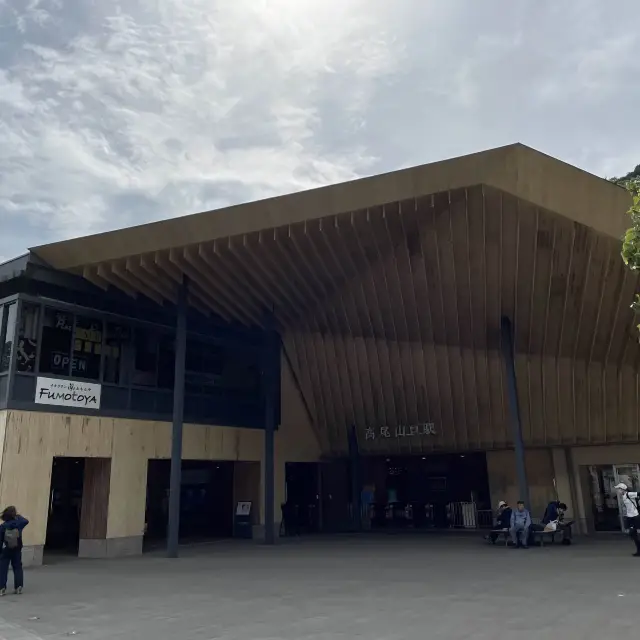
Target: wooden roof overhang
[{"x": 387, "y": 284}]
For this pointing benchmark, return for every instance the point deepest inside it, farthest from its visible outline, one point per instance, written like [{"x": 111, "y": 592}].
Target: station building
[{"x": 312, "y": 345}]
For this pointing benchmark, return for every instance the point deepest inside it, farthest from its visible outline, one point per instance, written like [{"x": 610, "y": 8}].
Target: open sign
[{"x": 60, "y": 362}]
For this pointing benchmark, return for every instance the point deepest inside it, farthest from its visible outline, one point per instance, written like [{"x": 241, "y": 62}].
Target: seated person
[
  {"x": 555, "y": 512},
  {"x": 520, "y": 525},
  {"x": 502, "y": 521}
]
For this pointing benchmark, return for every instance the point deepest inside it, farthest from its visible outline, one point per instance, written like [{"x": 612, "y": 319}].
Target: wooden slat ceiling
[{"x": 391, "y": 316}]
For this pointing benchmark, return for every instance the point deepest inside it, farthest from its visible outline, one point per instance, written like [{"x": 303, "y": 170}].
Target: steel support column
[
  {"x": 178, "y": 417},
  {"x": 271, "y": 369},
  {"x": 356, "y": 483},
  {"x": 516, "y": 426}
]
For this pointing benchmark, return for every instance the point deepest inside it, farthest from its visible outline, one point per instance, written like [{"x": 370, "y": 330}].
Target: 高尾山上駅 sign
[{"x": 401, "y": 431}]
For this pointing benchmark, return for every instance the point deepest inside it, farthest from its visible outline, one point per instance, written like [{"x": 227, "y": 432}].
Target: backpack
[{"x": 12, "y": 538}]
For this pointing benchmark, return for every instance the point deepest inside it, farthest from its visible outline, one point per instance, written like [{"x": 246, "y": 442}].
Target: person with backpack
[
  {"x": 11, "y": 549},
  {"x": 632, "y": 516}
]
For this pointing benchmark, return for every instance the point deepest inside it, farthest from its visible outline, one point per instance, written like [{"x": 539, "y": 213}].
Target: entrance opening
[
  {"x": 65, "y": 505},
  {"x": 300, "y": 512},
  {"x": 439, "y": 491},
  {"x": 605, "y": 505},
  {"x": 206, "y": 500}
]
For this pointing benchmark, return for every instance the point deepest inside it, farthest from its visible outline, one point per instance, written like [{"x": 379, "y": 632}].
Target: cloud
[
  {"x": 117, "y": 113},
  {"x": 172, "y": 104}
]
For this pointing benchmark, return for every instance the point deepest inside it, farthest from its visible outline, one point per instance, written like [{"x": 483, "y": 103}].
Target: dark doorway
[
  {"x": 422, "y": 491},
  {"x": 65, "y": 505},
  {"x": 300, "y": 512},
  {"x": 335, "y": 491},
  {"x": 206, "y": 500}
]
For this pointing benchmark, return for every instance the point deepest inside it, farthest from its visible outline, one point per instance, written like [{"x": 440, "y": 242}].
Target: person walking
[
  {"x": 632, "y": 517},
  {"x": 11, "y": 549}
]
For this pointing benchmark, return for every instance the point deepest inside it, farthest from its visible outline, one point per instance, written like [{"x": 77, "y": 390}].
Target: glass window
[
  {"x": 116, "y": 348},
  {"x": 87, "y": 348},
  {"x": 145, "y": 342},
  {"x": 57, "y": 336},
  {"x": 28, "y": 338},
  {"x": 203, "y": 366},
  {"x": 7, "y": 330},
  {"x": 241, "y": 373},
  {"x": 166, "y": 362}
]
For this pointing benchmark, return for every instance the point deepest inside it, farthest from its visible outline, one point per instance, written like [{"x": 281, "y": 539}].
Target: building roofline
[
  {"x": 15, "y": 267},
  {"x": 516, "y": 169}
]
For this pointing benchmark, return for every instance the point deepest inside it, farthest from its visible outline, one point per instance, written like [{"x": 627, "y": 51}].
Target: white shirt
[{"x": 630, "y": 506}]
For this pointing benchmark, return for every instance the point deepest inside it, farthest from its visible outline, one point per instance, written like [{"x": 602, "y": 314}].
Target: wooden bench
[
  {"x": 540, "y": 536},
  {"x": 500, "y": 532}
]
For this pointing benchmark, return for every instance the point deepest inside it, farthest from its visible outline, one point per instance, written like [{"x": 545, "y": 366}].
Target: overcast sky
[{"x": 114, "y": 113}]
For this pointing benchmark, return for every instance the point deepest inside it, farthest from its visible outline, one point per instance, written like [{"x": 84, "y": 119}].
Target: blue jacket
[
  {"x": 551, "y": 512},
  {"x": 520, "y": 519},
  {"x": 17, "y": 523}
]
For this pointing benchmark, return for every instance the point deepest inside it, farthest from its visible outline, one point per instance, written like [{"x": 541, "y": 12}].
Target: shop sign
[
  {"x": 68, "y": 393},
  {"x": 401, "y": 431}
]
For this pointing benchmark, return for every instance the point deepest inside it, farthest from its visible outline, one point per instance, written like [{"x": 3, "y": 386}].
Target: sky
[{"x": 118, "y": 113}]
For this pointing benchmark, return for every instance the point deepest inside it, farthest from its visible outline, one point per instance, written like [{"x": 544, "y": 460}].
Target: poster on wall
[
  {"x": 68, "y": 393},
  {"x": 243, "y": 509}
]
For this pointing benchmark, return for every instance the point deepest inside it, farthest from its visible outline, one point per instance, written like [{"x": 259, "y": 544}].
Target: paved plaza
[{"x": 374, "y": 587}]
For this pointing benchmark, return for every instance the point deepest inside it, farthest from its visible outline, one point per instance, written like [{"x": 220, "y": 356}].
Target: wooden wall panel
[
  {"x": 566, "y": 401},
  {"x": 95, "y": 498},
  {"x": 415, "y": 317},
  {"x": 33, "y": 439},
  {"x": 246, "y": 487}
]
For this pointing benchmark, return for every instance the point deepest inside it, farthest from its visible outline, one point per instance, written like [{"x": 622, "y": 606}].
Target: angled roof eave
[{"x": 516, "y": 169}]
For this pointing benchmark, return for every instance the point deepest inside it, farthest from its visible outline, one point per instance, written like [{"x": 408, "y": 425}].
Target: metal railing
[{"x": 466, "y": 515}]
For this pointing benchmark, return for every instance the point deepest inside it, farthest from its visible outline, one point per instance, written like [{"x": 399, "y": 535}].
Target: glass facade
[
  {"x": 7, "y": 334},
  {"x": 131, "y": 360}
]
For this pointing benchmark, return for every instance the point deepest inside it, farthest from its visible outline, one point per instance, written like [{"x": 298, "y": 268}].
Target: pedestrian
[
  {"x": 520, "y": 525},
  {"x": 632, "y": 517},
  {"x": 11, "y": 549},
  {"x": 502, "y": 521}
]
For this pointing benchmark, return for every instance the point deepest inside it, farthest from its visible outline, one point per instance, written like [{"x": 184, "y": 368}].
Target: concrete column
[
  {"x": 504, "y": 482},
  {"x": 563, "y": 480},
  {"x": 127, "y": 492},
  {"x": 279, "y": 496}
]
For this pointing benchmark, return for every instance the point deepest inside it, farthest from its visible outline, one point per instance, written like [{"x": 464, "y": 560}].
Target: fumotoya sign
[
  {"x": 401, "y": 431},
  {"x": 68, "y": 393}
]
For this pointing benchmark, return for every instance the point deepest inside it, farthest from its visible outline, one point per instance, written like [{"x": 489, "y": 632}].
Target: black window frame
[
  {"x": 163, "y": 397},
  {"x": 6, "y": 377}
]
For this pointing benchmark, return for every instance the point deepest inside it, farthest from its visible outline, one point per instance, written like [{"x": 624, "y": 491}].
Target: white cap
[
  {"x": 502, "y": 503},
  {"x": 622, "y": 486}
]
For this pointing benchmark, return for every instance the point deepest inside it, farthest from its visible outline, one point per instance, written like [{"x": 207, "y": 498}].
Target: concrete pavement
[{"x": 375, "y": 587}]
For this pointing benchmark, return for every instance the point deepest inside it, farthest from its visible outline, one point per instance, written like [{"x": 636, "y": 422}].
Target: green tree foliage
[
  {"x": 631, "y": 240},
  {"x": 630, "y": 177}
]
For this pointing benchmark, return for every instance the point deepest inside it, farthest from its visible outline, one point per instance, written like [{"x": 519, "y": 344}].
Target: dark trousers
[
  {"x": 567, "y": 533},
  {"x": 633, "y": 524},
  {"x": 11, "y": 557}
]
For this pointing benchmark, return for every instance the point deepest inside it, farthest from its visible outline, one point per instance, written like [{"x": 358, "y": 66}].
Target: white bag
[{"x": 552, "y": 526}]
